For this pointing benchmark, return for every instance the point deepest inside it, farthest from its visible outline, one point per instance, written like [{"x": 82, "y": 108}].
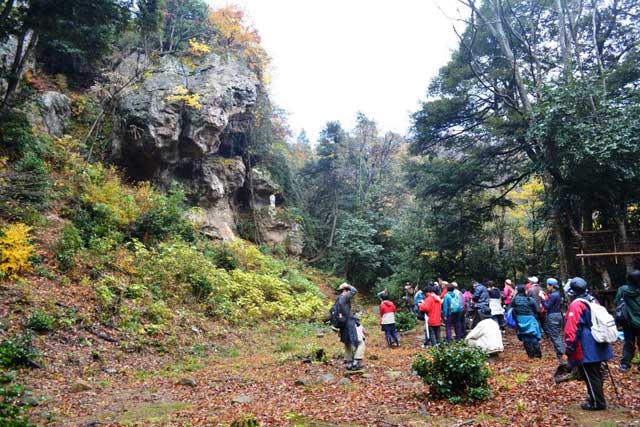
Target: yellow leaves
[
  {"x": 181, "y": 94},
  {"x": 198, "y": 49},
  {"x": 15, "y": 250},
  {"x": 429, "y": 254}
]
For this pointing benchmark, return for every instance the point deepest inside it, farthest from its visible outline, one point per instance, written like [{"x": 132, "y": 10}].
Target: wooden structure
[{"x": 607, "y": 243}]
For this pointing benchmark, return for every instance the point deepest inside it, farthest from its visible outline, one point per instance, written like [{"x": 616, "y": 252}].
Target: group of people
[{"x": 478, "y": 316}]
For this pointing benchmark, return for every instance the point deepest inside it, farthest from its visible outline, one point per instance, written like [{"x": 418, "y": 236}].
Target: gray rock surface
[
  {"x": 55, "y": 110},
  {"x": 162, "y": 139},
  {"x": 190, "y": 382},
  {"x": 242, "y": 398},
  {"x": 80, "y": 385}
]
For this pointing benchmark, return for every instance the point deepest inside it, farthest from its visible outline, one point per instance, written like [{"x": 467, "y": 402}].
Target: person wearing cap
[
  {"x": 486, "y": 334},
  {"x": 582, "y": 349},
  {"x": 348, "y": 332},
  {"x": 631, "y": 295},
  {"x": 553, "y": 321},
  {"x": 526, "y": 312},
  {"x": 507, "y": 292},
  {"x": 535, "y": 291}
]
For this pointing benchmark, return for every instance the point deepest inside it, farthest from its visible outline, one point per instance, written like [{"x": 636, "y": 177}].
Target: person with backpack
[
  {"x": 432, "y": 307},
  {"x": 342, "y": 317},
  {"x": 388, "y": 321},
  {"x": 582, "y": 342},
  {"x": 526, "y": 312},
  {"x": 452, "y": 312},
  {"x": 629, "y": 294},
  {"x": 553, "y": 321},
  {"x": 417, "y": 300}
]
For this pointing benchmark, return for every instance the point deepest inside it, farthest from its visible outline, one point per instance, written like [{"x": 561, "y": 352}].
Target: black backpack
[
  {"x": 336, "y": 317},
  {"x": 620, "y": 315}
]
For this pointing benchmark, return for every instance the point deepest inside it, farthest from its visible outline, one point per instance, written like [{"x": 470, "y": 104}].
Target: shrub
[
  {"x": 15, "y": 250},
  {"x": 40, "y": 321},
  {"x": 158, "y": 313},
  {"x": 68, "y": 244},
  {"x": 164, "y": 218},
  {"x": 222, "y": 256},
  {"x": 11, "y": 409},
  {"x": 25, "y": 188},
  {"x": 183, "y": 272},
  {"x": 17, "y": 351},
  {"x": 405, "y": 321},
  {"x": 454, "y": 371},
  {"x": 17, "y": 135}
]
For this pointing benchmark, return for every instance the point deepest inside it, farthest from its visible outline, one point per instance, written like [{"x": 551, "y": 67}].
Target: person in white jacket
[{"x": 486, "y": 334}]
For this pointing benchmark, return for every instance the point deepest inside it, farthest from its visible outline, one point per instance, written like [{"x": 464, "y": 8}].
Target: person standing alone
[{"x": 388, "y": 320}]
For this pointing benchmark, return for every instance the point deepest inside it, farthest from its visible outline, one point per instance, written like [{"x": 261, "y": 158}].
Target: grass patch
[{"x": 151, "y": 413}]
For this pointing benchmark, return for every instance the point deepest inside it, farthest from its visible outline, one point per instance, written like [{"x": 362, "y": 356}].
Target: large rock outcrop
[{"x": 161, "y": 138}]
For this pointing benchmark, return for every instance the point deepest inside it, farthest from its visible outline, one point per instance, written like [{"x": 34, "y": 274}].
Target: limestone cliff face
[{"x": 162, "y": 140}]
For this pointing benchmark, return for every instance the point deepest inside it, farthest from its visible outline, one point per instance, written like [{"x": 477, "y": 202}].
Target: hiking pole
[{"x": 615, "y": 387}]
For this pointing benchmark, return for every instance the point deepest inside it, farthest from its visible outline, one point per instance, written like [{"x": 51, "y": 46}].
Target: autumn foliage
[{"x": 15, "y": 250}]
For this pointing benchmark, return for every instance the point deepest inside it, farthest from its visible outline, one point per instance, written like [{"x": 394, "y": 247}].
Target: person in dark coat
[
  {"x": 631, "y": 295},
  {"x": 347, "y": 329},
  {"x": 553, "y": 320},
  {"x": 526, "y": 312},
  {"x": 480, "y": 301},
  {"x": 582, "y": 349}
]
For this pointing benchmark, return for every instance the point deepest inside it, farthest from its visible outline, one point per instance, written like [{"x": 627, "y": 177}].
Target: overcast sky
[{"x": 333, "y": 58}]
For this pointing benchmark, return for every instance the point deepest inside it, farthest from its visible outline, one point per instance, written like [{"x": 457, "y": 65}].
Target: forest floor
[{"x": 262, "y": 371}]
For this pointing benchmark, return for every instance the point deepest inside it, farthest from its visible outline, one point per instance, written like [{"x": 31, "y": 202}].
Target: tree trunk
[
  {"x": 6, "y": 11},
  {"x": 17, "y": 68},
  {"x": 624, "y": 240}
]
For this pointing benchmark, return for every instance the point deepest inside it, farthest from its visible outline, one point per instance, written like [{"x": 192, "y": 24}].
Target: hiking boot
[
  {"x": 357, "y": 365},
  {"x": 587, "y": 406}
]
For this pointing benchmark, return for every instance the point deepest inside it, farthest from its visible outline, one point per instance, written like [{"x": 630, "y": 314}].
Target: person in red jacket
[
  {"x": 388, "y": 320},
  {"x": 432, "y": 307}
]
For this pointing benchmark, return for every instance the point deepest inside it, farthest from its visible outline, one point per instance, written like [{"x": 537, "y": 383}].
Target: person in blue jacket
[{"x": 552, "y": 325}]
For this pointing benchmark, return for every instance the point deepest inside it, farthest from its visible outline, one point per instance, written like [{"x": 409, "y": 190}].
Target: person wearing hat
[
  {"x": 631, "y": 295},
  {"x": 347, "y": 330},
  {"x": 582, "y": 349},
  {"x": 507, "y": 292},
  {"x": 486, "y": 334},
  {"x": 526, "y": 312},
  {"x": 535, "y": 291},
  {"x": 553, "y": 321}
]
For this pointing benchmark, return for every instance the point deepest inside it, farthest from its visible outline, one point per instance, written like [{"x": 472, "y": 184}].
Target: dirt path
[{"x": 262, "y": 373}]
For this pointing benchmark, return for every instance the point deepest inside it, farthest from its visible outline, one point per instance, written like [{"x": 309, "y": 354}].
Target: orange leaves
[
  {"x": 229, "y": 21},
  {"x": 235, "y": 33}
]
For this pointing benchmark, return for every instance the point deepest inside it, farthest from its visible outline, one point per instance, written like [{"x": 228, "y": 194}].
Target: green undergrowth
[{"x": 137, "y": 248}]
